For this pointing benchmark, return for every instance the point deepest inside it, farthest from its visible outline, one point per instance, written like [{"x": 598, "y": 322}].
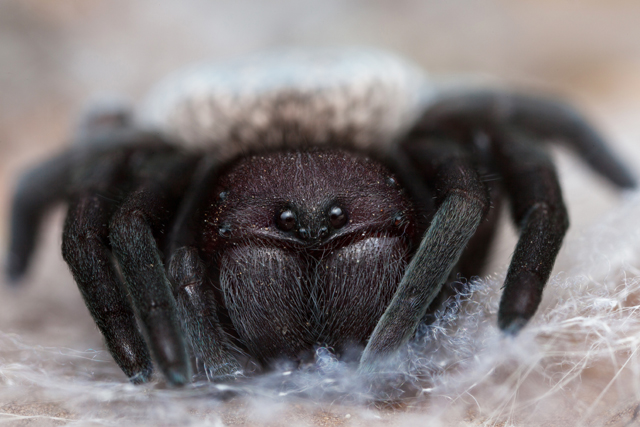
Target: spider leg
[
  {"x": 473, "y": 259},
  {"x": 542, "y": 117},
  {"x": 47, "y": 183},
  {"x": 197, "y": 310},
  {"x": 37, "y": 190},
  {"x": 536, "y": 199},
  {"x": 197, "y": 307},
  {"x": 462, "y": 201},
  {"x": 134, "y": 228},
  {"x": 86, "y": 249}
]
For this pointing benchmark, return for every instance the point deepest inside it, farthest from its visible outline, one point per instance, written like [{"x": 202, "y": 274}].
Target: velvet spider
[{"x": 298, "y": 199}]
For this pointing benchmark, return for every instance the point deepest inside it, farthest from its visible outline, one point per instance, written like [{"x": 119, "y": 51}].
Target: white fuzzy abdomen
[{"x": 353, "y": 97}]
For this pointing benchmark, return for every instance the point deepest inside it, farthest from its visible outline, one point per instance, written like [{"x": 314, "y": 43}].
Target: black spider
[{"x": 318, "y": 211}]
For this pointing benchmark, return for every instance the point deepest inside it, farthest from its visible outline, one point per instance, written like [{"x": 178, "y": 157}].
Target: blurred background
[{"x": 56, "y": 55}]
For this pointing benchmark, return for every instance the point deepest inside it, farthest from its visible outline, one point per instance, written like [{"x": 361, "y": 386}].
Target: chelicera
[{"x": 291, "y": 201}]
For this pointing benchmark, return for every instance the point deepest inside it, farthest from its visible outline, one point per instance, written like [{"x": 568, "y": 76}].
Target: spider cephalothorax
[
  {"x": 301, "y": 223},
  {"x": 297, "y": 200}
]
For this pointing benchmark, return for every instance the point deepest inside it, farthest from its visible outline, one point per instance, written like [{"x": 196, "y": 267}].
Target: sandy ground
[{"x": 55, "y": 55}]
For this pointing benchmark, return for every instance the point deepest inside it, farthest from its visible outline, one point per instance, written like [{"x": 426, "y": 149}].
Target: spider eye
[
  {"x": 286, "y": 221},
  {"x": 337, "y": 217}
]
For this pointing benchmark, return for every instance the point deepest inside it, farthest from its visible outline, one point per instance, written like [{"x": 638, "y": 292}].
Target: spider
[{"x": 261, "y": 208}]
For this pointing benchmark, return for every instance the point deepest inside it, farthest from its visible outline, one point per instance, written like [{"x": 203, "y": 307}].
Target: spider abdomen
[{"x": 358, "y": 98}]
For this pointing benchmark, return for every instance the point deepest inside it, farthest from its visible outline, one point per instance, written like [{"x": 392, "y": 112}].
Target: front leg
[
  {"x": 192, "y": 288},
  {"x": 136, "y": 228},
  {"x": 462, "y": 201}
]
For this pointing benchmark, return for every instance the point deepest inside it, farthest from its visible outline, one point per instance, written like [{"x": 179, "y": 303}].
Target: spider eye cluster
[{"x": 289, "y": 219}]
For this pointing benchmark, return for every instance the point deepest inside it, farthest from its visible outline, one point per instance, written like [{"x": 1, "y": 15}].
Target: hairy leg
[
  {"x": 538, "y": 209},
  {"x": 192, "y": 286},
  {"x": 462, "y": 201},
  {"x": 86, "y": 249},
  {"x": 137, "y": 232},
  {"x": 542, "y": 117}
]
